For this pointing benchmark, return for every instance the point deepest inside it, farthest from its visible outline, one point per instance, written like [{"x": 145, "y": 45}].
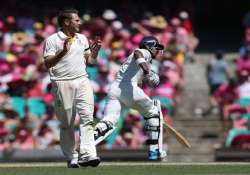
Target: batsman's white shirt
[
  {"x": 73, "y": 64},
  {"x": 130, "y": 71}
]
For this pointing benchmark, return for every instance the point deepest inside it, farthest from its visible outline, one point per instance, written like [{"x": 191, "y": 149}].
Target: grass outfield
[{"x": 128, "y": 168}]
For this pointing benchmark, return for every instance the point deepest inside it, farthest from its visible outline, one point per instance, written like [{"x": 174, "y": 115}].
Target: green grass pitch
[{"x": 128, "y": 168}]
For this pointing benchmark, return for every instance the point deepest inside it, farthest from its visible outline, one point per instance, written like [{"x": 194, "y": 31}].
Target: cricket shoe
[
  {"x": 154, "y": 155},
  {"x": 73, "y": 163},
  {"x": 89, "y": 161}
]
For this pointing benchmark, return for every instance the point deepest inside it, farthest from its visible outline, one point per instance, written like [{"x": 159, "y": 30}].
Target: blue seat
[
  {"x": 92, "y": 72},
  {"x": 18, "y": 104},
  {"x": 244, "y": 102},
  {"x": 36, "y": 106}
]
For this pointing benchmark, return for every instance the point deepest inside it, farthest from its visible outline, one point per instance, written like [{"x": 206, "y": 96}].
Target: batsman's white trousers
[
  {"x": 71, "y": 97},
  {"x": 130, "y": 95}
]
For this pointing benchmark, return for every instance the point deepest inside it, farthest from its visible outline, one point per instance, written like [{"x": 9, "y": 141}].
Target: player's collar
[{"x": 62, "y": 35}]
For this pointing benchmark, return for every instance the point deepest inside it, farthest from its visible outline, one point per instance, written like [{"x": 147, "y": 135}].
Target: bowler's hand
[
  {"x": 67, "y": 44},
  {"x": 95, "y": 46}
]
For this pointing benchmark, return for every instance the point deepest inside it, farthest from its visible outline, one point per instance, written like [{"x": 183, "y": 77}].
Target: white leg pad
[{"x": 160, "y": 139}]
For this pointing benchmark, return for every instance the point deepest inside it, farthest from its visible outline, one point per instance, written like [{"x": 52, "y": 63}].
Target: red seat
[{"x": 240, "y": 140}]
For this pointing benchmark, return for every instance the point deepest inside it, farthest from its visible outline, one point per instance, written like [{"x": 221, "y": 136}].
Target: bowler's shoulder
[{"x": 52, "y": 37}]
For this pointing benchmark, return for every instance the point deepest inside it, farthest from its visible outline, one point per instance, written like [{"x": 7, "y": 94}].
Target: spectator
[
  {"x": 226, "y": 95},
  {"x": 246, "y": 43},
  {"x": 217, "y": 74},
  {"x": 3, "y": 133},
  {"x": 23, "y": 136},
  {"x": 192, "y": 40},
  {"x": 243, "y": 63},
  {"x": 45, "y": 137}
]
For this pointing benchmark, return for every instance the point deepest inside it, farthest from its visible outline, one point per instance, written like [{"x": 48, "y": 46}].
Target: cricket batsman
[{"x": 125, "y": 91}]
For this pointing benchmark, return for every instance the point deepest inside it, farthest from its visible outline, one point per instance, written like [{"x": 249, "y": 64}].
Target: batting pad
[{"x": 160, "y": 140}]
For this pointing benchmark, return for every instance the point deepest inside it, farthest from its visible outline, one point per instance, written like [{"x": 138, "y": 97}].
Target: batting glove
[{"x": 153, "y": 78}]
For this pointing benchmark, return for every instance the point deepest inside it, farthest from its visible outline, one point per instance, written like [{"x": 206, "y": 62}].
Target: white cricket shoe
[
  {"x": 73, "y": 163},
  {"x": 89, "y": 161}
]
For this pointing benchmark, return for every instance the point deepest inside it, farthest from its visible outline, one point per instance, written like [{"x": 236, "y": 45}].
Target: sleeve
[
  {"x": 49, "y": 48},
  {"x": 146, "y": 54}
]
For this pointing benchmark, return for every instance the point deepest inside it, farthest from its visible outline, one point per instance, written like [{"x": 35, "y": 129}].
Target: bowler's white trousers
[{"x": 71, "y": 97}]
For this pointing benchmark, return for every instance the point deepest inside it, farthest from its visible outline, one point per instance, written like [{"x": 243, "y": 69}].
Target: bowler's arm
[{"x": 52, "y": 60}]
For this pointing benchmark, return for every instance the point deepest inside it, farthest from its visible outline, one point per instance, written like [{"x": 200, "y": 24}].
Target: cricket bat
[{"x": 181, "y": 139}]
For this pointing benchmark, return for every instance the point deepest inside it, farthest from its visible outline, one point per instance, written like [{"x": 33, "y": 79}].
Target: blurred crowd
[
  {"x": 231, "y": 93},
  {"x": 27, "y": 118}
]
